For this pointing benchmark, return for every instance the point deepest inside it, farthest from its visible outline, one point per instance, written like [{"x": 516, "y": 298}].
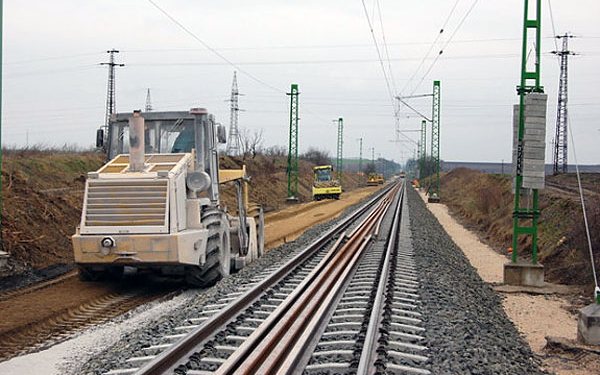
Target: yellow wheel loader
[{"x": 155, "y": 204}]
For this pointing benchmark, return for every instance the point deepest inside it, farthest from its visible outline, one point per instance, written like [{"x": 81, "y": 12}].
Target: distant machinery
[
  {"x": 560, "y": 138},
  {"x": 324, "y": 185},
  {"x": 234, "y": 143}
]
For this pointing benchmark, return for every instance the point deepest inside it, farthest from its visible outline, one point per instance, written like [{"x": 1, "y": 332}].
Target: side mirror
[
  {"x": 221, "y": 134},
  {"x": 100, "y": 138}
]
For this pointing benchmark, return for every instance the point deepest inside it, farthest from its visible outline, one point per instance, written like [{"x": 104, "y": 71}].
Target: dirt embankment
[
  {"x": 42, "y": 195},
  {"x": 484, "y": 202}
]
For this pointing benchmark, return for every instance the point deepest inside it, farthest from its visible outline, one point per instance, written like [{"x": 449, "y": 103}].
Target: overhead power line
[
  {"x": 214, "y": 51},
  {"x": 462, "y": 21},
  {"x": 387, "y": 81},
  {"x": 431, "y": 46}
]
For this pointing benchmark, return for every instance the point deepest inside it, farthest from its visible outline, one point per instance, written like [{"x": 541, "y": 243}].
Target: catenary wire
[{"x": 431, "y": 47}]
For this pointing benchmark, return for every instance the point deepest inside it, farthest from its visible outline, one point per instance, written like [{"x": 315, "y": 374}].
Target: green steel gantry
[
  {"x": 530, "y": 82},
  {"x": 360, "y": 178},
  {"x": 423, "y": 149},
  {"x": 435, "y": 139},
  {"x": 340, "y": 149},
  {"x": 292, "y": 167},
  {"x": 1, "y": 32}
]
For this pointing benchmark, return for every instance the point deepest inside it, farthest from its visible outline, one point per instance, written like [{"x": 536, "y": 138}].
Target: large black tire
[{"x": 218, "y": 253}]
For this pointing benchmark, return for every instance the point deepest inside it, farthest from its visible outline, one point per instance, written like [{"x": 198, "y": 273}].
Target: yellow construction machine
[
  {"x": 156, "y": 204},
  {"x": 324, "y": 185}
]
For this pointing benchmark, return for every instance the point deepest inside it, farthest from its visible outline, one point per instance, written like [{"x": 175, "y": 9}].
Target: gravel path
[{"x": 467, "y": 329}]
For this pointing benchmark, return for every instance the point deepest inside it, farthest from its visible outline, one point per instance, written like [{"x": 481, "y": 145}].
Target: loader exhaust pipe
[{"x": 136, "y": 143}]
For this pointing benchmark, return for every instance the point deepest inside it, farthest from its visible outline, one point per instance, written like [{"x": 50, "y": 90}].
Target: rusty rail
[
  {"x": 172, "y": 358},
  {"x": 278, "y": 344}
]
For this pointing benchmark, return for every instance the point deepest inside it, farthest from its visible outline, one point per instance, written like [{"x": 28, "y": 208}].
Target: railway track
[
  {"x": 348, "y": 303},
  {"x": 57, "y": 328}
]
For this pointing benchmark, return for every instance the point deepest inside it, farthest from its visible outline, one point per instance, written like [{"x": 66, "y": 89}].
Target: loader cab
[
  {"x": 323, "y": 173},
  {"x": 166, "y": 132},
  {"x": 174, "y": 132}
]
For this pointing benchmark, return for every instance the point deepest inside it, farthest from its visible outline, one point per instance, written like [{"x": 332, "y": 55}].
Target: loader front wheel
[{"x": 218, "y": 257}]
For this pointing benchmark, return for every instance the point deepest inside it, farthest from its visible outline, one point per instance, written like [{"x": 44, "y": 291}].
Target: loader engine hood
[{"x": 117, "y": 201}]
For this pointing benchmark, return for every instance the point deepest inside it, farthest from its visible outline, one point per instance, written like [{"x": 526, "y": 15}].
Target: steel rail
[
  {"x": 366, "y": 365},
  {"x": 171, "y": 358},
  {"x": 276, "y": 345}
]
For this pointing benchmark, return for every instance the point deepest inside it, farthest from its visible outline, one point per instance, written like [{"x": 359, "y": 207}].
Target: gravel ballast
[{"x": 467, "y": 329}]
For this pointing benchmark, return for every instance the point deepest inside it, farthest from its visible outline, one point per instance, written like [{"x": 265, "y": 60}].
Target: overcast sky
[{"x": 54, "y": 90}]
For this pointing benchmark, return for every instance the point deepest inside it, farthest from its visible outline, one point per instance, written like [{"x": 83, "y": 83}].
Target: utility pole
[
  {"x": 292, "y": 168},
  {"x": 234, "y": 142},
  {"x": 360, "y": 175},
  {"x": 434, "y": 196},
  {"x": 340, "y": 148},
  {"x": 148, "y": 102},
  {"x": 111, "y": 102},
  {"x": 528, "y": 147},
  {"x": 560, "y": 138}
]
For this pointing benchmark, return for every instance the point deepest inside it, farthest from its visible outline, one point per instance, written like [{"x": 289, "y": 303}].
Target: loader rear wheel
[{"x": 218, "y": 257}]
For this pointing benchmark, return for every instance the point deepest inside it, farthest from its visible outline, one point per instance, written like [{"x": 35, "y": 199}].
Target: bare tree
[
  {"x": 276, "y": 150},
  {"x": 251, "y": 142},
  {"x": 316, "y": 156}
]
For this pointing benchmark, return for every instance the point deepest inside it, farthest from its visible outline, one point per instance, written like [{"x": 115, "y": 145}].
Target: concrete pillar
[
  {"x": 588, "y": 325},
  {"x": 524, "y": 274}
]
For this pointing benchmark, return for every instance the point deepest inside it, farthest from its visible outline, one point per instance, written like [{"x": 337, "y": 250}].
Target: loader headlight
[{"x": 197, "y": 181}]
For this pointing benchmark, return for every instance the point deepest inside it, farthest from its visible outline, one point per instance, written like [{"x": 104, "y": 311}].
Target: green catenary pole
[
  {"x": 292, "y": 168},
  {"x": 1, "y": 32},
  {"x": 530, "y": 82},
  {"x": 423, "y": 157},
  {"x": 360, "y": 161},
  {"x": 340, "y": 149},
  {"x": 435, "y": 137}
]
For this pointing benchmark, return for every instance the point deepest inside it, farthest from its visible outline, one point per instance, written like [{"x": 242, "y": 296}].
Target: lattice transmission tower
[
  {"x": 111, "y": 101},
  {"x": 234, "y": 141},
  {"x": 148, "y": 107},
  {"x": 560, "y": 138}
]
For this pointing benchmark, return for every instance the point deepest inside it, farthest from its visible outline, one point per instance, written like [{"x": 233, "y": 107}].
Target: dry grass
[{"x": 484, "y": 203}]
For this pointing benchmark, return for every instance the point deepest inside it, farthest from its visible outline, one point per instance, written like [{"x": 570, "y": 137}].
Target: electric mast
[
  {"x": 111, "y": 101},
  {"x": 560, "y": 138},
  {"x": 292, "y": 167},
  {"x": 234, "y": 142},
  {"x": 148, "y": 107}
]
